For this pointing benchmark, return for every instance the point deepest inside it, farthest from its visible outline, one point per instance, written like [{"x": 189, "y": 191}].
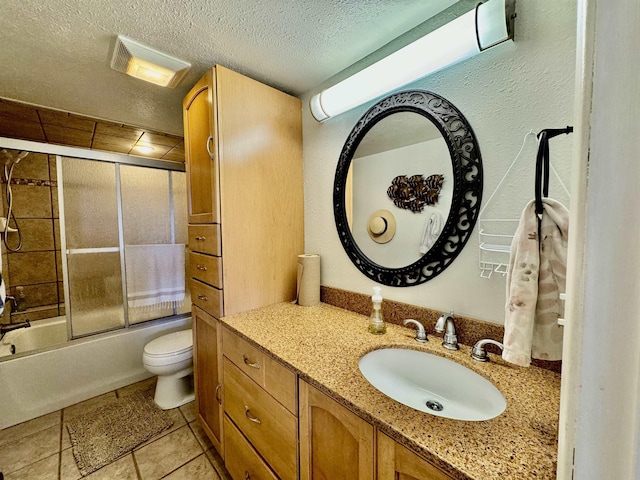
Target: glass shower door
[{"x": 91, "y": 237}]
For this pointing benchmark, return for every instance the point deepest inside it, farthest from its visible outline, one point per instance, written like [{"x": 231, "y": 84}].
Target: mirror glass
[
  {"x": 402, "y": 144},
  {"x": 407, "y": 188}
]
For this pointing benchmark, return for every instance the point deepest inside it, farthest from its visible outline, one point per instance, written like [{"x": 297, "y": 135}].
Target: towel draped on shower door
[
  {"x": 155, "y": 275},
  {"x": 535, "y": 279}
]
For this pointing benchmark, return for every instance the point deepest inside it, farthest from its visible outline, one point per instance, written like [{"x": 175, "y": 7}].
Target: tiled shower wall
[{"x": 37, "y": 267}]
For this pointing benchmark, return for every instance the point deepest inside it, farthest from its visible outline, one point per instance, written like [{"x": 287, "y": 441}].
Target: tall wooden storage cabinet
[{"x": 243, "y": 149}]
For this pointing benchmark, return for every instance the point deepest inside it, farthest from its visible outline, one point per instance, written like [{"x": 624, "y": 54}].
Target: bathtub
[
  {"x": 56, "y": 377},
  {"x": 41, "y": 334}
]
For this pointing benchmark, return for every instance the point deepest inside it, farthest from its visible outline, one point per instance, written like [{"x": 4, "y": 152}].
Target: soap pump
[{"x": 376, "y": 322}]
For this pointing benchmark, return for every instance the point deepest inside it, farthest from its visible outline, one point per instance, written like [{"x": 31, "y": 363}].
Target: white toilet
[{"x": 170, "y": 357}]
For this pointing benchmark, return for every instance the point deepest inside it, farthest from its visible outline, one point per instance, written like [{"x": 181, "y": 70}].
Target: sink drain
[{"x": 435, "y": 406}]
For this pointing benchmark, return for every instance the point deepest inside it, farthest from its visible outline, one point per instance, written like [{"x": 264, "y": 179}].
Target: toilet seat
[{"x": 171, "y": 348}]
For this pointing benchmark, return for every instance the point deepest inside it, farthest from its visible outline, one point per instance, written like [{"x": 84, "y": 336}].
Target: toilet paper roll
[{"x": 308, "y": 280}]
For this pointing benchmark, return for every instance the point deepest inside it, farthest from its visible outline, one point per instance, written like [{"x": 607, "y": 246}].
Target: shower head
[{"x": 20, "y": 156}]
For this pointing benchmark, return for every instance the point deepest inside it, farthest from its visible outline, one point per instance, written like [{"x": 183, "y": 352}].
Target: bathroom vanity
[{"x": 298, "y": 367}]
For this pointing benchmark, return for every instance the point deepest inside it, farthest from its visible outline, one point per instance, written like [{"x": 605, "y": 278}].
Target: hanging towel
[
  {"x": 155, "y": 275},
  {"x": 535, "y": 279},
  {"x": 432, "y": 230}
]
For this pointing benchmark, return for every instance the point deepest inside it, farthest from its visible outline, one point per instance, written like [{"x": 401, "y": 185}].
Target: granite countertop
[{"x": 323, "y": 344}]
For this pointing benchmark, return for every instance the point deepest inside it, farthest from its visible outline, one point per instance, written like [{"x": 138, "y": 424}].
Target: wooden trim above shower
[{"x": 41, "y": 124}]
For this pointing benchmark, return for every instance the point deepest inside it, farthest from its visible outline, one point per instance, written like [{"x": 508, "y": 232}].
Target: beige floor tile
[
  {"x": 66, "y": 438},
  {"x": 167, "y": 454},
  {"x": 197, "y": 469},
  {"x": 30, "y": 427},
  {"x": 201, "y": 436},
  {"x": 218, "y": 464},
  {"x": 189, "y": 411},
  {"x": 68, "y": 468},
  {"x": 83, "y": 407},
  {"x": 30, "y": 449},
  {"x": 45, "y": 469},
  {"x": 148, "y": 386},
  {"x": 122, "y": 469}
]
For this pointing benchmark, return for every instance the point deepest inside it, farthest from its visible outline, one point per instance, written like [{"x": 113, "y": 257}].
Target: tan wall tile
[
  {"x": 21, "y": 129},
  {"x": 64, "y": 119},
  {"x": 37, "y": 234},
  {"x": 39, "y": 295},
  {"x": 31, "y": 201},
  {"x": 67, "y": 136},
  {"x": 32, "y": 268},
  {"x": 34, "y": 166},
  {"x": 121, "y": 131},
  {"x": 13, "y": 110},
  {"x": 53, "y": 171}
]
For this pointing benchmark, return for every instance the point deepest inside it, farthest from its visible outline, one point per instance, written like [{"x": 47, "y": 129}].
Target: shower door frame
[{"x": 118, "y": 159}]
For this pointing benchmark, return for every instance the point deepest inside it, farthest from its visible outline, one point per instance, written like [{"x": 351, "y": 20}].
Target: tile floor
[{"x": 40, "y": 449}]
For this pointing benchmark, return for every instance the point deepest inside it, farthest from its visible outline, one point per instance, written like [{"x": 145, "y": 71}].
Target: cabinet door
[
  {"x": 200, "y": 147},
  {"x": 335, "y": 444},
  {"x": 395, "y": 462},
  {"x": 207, "y": 367}
]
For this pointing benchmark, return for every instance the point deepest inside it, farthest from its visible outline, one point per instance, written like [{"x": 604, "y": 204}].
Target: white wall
[{"x": 503, "y": 93}]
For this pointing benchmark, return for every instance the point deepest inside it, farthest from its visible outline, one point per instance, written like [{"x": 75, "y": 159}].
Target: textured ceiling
[{"x": 56, "y": 53}]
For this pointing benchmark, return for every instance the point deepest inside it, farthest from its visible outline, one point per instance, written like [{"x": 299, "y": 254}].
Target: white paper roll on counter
[{"x": 308, "y": 280}]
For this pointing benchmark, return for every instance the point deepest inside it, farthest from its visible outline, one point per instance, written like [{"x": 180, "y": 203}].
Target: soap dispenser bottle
[{"x": 376, "y": 322}]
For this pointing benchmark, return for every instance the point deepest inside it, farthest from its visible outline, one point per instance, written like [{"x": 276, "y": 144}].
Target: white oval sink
[{"x": 432, "y": 384}]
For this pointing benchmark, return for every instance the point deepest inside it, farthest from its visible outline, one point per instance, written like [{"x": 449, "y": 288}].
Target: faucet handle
[
  {"x": 479, "y": 353},
  {"x": 421, "y": 334}
]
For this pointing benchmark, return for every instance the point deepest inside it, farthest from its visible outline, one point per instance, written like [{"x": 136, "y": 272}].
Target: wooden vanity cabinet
[
  {"x": 207, "y": 368},
  {"x": 335, "y": 443},
  {"x": 260, "y": 404},
  {"x": 243, "y": 152},
  {"x": 396, "y": 462}
]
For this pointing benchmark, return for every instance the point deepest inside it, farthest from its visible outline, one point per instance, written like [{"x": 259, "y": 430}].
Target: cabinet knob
[
  {"x": 201, "y": 267},
  {"x": 249, "y": 363},
  {"x": 203, "y": 298},
  {"x": 247, "y": 476},
  {"x": 201, "y": 239},
  {"x": 251, "y": 418}
]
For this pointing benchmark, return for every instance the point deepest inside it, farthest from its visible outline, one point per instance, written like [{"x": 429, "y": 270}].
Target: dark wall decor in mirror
[{"x": 410, "y": 146}]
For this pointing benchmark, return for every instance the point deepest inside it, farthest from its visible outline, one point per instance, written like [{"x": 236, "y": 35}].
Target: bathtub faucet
[{"x": 7, "y": 327}]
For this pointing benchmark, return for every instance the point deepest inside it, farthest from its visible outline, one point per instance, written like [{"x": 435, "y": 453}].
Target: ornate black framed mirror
[{"x": 407, "y": 188}]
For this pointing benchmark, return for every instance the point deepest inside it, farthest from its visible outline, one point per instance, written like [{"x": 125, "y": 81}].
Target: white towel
[
  {"x": 155, "y": 275},
  {"x": 536, "y": 277},
  {"x": 431, "y": 232}
]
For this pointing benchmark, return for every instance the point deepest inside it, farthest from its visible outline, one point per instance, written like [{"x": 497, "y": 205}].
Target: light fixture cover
[
  {"x": 487, "y": 25},
  {"x": 146, "y": 63}
]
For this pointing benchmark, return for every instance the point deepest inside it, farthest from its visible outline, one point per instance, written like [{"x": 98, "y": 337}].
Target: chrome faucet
[
  {"x": 421, "y": 334},
  {"x": 446, "y": 325},
  {"x": 479, "y": 353}
]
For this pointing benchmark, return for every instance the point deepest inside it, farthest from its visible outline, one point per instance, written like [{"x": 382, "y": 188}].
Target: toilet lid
[{"x": 170, "y": 344}]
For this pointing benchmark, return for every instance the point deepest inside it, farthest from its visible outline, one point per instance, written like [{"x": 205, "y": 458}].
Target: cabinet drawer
[
  {"x": 275, "y": 378},
  {"x": 207, "y": 298},
  {"x": 241, "y": 460},
  {"x": 206, "y": 268},
  {"x": 270, "y": 427},
  {"x": 205, "y": 239}
]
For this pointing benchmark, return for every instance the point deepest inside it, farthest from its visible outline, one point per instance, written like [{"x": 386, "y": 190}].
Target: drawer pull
[
  {"x": 201, "y": 239},
  {"x": 246, "y": 475},
  {"x": 249, "y": 363},
  {"x": 201, "y": 267},
  {"x": 218, "y": 399},
  {"x": 209, "y": 140},
  {"x": 251, "y": 417},
  {"x": 203, "y": 298}
]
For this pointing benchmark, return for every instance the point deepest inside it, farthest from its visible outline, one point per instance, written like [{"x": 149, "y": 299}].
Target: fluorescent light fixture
[
  {"x": 489, "y": 24},
  {"x": 146, "y": 63}
]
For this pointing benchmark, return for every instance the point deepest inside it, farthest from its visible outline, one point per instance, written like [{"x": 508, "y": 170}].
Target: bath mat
[{"x": 107, "y": 432}]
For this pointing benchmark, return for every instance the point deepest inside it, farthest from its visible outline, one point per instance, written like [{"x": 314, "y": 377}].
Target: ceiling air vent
[{"x": 147, "y": 64}]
